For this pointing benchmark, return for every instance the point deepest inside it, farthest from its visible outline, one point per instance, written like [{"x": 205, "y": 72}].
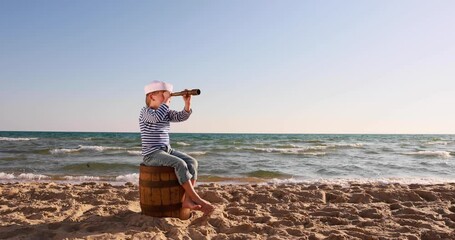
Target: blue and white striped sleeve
[{"x": 181, "y": 116}]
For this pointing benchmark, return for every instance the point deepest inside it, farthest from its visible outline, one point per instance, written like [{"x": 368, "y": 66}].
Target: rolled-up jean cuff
[
  {"x": 162, "y": 158},
  {"x": 183, "y": 179}
]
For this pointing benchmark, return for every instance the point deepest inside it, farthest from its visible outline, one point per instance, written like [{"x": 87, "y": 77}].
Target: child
[{"x": 154, "y": 122}]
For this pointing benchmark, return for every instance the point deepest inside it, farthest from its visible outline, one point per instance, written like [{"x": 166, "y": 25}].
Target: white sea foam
[
  {"x": 99, "y": 148},
  {"x": 133, "y": 178},
  {"x": 197, "y": 153},
  {"x": 305, "y": 150},
  {"x": 441, "y": 154},
  {"x": 16, "y": 139},
  {"x": 290, "y": 145},
  {"x": 275, "y": 150},
  {"x": 182, "y": 144},
  {"x": 85, "y": 148},
  {"x": 346, "y": 182},
  {"x": 6, "y": 176},
  {"x": 438, "y": 143},
  {"x": 31, "y": 176},
  {"x": 136, "y": 153},
  {"x": 22, "y": 176},
  {"x": 25, "y": 177},
  {"x": 82, "y": 178},
  {"x": 346, "y": 145},
  {"x": 63, "y": 150},
  {"x": 314, "y": 150}
]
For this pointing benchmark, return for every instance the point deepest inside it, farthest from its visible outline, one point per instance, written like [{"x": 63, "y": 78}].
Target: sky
[{"x": 301, "y": 66}]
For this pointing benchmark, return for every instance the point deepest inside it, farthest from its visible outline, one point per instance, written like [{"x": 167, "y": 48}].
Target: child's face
[{"x": 158, "y": 96}]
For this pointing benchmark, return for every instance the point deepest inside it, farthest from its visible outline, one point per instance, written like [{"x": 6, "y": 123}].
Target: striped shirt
[{"x": 155, "y": 125}]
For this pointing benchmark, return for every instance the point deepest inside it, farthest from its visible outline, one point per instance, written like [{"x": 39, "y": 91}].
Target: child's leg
[
  {"x": 194, "y": 201},
  {"x": 192, "y": 168},
  {"x": 190, "y": 162},
  {"x": 162, "y": 158},
  {"x": 190, "y": 198}
]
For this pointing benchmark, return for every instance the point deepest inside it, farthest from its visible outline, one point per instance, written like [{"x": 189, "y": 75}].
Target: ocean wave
[
  {"x": 87, "y": 148},
  {"x": 346, "y": 145},
  {"x": 182, "y": 144},
  {"x": 438, "y": 143},
  {"x": 6, "y": 176},
  {"x": 197, "y": 153},
  {"x": 100, "y": 148},
  {"x": 25, "y": 177},
  {"x": 288, "y": 145},
  {"x": 298, "y": 151},
  {"x": 299, "y": 140},
  {"x": 328, "y": 172},
  {"x": 135, "y": 153},
  {"x": 316, "y": 148},
  {"x": 441, "y": 154},
  {"x": 347, "y": 182},
  {"x": 133, "y": 178},
  {"x": 22, "y": 176},
  {"x": 272, "y": 150},
  {"x": 315, "y": 153},
  {"x": 63, "y": 150},
  {"x": 313, "y": 141},
  {"x": 82, "y": 178},
  {"x": 260, "y": 176},
  {"x": 16, "y": 139}
]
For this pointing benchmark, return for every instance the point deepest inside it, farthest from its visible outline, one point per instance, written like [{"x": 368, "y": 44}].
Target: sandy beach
[{"x": 285, "y": 211}]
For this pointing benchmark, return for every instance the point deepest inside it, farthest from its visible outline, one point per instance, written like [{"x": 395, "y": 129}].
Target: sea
[{"x": 232, "y": 158}]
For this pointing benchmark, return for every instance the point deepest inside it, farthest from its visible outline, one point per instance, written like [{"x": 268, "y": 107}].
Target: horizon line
[{"x": 265, "y": 133}]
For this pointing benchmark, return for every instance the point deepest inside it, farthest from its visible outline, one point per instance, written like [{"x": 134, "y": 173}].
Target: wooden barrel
[{"x": 160, "y": 193}]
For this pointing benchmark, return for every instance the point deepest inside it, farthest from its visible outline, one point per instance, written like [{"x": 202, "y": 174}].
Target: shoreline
[
  {"x": 133, "y": 178},
  {"x": 245, "y": 211}
]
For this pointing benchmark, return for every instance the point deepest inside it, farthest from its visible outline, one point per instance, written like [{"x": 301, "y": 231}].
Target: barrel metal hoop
[{"x": 159, "y": 184}]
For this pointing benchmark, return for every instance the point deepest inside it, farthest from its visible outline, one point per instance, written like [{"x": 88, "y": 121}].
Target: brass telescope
[{"x": 187, "y": 92}]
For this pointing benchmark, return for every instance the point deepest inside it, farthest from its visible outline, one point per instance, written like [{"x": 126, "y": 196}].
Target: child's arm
[
  {"x": 187, "y": 100},
  {"x": 181, "y": 116}
]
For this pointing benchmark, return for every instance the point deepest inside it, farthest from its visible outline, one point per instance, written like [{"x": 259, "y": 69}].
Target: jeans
[{"x": 184, "y": 165}]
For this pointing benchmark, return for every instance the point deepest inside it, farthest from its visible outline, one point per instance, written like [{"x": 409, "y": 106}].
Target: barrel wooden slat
[
  {"x": 155, "y": 198},
  {"x": 165, "y": 194},
  {"x": 160, "y": 193},
  {"x": 175, "y": 195}
]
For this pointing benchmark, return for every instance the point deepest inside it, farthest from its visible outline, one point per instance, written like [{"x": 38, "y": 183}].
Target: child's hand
[{"x": 187, "y": 99}]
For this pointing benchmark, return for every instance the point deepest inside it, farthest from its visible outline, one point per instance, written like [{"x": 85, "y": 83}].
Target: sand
[{"x": 286, "y": 211}]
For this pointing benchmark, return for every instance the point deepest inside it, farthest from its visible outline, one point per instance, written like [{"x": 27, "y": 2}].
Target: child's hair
[{"x": 147, "y": 100}]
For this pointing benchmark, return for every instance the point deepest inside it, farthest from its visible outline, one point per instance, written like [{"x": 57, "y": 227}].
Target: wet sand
[{"x": 285, "y": 211}]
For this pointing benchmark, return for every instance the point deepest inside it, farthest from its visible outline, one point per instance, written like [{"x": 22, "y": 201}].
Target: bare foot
[
  {"x": 207, "y": 208},
  {"x": 188, "y": 203}
]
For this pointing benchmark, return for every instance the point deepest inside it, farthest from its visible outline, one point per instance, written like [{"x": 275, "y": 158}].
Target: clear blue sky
[{"x": 262, "y": 66}]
